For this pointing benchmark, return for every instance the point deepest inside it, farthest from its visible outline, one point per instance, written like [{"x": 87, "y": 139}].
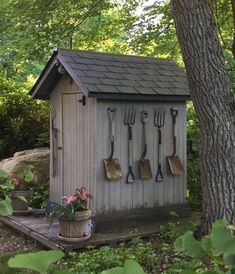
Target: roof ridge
[{"x": 115, "y": 54}]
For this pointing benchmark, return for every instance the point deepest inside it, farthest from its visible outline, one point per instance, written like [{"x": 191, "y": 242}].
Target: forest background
[{"x": 32, "y": 29}]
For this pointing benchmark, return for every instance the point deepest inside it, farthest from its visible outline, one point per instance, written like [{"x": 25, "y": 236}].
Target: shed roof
[{"x": 110, "y": 76}]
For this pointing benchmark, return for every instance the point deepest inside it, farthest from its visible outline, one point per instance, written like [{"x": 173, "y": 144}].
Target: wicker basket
[
  {"x": 76, "y": 228},
  {"x": 17, "y": 204}
]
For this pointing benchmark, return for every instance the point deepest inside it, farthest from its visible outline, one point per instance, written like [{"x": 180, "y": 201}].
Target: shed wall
[
  {"x": 117, "y": 195},
  {"x": 84, "y": 138}
]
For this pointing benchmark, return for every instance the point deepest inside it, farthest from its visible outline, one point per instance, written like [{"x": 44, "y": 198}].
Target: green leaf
[
  {"x": 38, "y": 261},
  {"x": 131, "y": 267},
  {"x": 22, "y": 198},
  {"x": 6, "y": 207},
  {"x": 28, "y": 176},
  {"x": 221, "y": 238},
  {"x": 179, "y": 243},
  {"x": 3, "y": 174},
  {"x": 190, "y": 245},
  {"x": 7, "y": 186},
  {"x": 63, "y": 271},
  {"x": 206, "y": 244},
  {"x": 229, "y": 259},
  {"x": 114, "y": 270}
]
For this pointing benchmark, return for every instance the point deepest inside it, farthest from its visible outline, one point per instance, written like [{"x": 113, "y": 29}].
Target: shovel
[
  {"x": 174, "y": 160},
  {"x": 112, "y": 166},
  {"x": 144, "y": 164}
]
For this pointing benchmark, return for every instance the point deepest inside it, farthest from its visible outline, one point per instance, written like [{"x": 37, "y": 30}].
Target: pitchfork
[
  {"x": 129, "y": 121},
  {"x": 159, "y": 122}
]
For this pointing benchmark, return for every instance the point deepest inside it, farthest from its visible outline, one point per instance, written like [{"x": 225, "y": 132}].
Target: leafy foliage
[
  {"x": 42, "y": 260},
  {"x": 22, "y": 119},
  {"x": 40, "y": 196},
  {"x": 96, "y": 260},
  {"x": 5, "y": 200},
  {"x": 38, "y": 261},
  {"x": 219, "y": 247},
  {"x": 193, "y": 167}
]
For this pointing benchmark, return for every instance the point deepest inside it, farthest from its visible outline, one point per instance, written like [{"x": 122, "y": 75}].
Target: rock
[{"x": 38, "y": 158}]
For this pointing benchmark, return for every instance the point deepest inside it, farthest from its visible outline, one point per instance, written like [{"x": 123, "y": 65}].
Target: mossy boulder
[{"x": 38, "y": 158}]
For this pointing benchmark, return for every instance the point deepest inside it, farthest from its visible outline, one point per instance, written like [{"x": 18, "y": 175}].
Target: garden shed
[{"x": 83, "y": 87}]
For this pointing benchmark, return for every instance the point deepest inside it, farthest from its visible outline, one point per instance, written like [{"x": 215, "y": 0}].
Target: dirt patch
[{"x": 12, "y": 241}]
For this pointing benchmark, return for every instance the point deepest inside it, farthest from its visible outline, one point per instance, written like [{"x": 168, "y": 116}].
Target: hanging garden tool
[
  {"x": 54, "y": 133},
  {"x": 175, "y": 164},
  {"x": 144, "y": 164},
  {"x": 129, "y": 121},
  {"x": 112, "y": 166},
  {"x": 159, "y": 122}
]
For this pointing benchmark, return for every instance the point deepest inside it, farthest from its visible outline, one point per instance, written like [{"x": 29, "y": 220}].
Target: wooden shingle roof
[{"x": 108, "y": 75}]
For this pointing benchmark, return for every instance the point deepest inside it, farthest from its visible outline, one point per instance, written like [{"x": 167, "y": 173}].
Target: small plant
[
  {"x": 174, "y": 228},
  {"x": 24, "y": 181},
  {"x": 71, "y": 204},
  {"x": 5, "y": 197}
]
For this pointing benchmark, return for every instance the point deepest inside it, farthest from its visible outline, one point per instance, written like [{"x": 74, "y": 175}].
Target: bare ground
[{"x": 12, "y": 241}]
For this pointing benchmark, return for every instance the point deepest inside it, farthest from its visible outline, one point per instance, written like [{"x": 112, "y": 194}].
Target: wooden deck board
[{"x": 38, "y": 229}]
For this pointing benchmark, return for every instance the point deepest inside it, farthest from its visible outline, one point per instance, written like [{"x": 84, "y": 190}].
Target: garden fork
[
  {"x": 159, "y": 122},
  {"x": 129, "y": 121}
]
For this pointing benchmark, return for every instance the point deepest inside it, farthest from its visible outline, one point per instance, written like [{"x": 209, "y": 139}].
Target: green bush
[
  {"x": 24, "y": 122},
  {"x": 193, "y": 168}
]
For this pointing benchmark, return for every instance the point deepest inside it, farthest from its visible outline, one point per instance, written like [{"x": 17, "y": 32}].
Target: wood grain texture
[
  {"x": 141, "y": 194},
  {"x": 84, "y": 135}
]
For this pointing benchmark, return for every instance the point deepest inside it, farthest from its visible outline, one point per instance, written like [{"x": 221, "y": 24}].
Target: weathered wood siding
[
  {"x": 117, "y": 195},
  {"x": 84, "y": 138},
  {"x": 76, "y": 164}
]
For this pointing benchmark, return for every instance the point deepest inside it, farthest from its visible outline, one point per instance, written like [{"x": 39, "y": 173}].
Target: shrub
[
  {"x": 193, "y": 172},
  {"x": 23, "y": 121}
]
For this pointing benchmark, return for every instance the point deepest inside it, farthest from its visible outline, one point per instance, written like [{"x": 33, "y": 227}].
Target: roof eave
[
  {"x": 43, "y": 87},
  {"x": 139, "y": 97}
]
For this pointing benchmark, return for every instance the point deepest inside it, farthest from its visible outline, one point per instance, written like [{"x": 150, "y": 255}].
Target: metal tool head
[
  {"x": 113, "y": 169},
  {"x": 53, "y": 112},
  {"x": 129, "y": 118},
  {"x": 175, "y": 165},
  {"x": 145, "y": 169},
  {"x": 159, "y": 117}
]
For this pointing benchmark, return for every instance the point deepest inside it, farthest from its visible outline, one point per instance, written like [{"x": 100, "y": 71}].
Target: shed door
[
  {"x": 77, "y": 143},
  {"x": 71, "y": 134}
]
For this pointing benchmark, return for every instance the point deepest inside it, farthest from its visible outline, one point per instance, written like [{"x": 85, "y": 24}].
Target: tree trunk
[
  {"x": 233, "y": 45},
  {"x": 211, "y": 95}
]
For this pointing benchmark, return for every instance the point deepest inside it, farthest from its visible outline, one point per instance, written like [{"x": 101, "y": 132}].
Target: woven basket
[
  {"x": 76, "y": 228},
  {"x": 17, "y": 204}
]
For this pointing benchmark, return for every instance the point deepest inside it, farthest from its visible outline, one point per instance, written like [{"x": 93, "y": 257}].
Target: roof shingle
[{"x": 111, "y": 73}]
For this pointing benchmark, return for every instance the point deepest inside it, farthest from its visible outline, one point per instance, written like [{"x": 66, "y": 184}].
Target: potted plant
[
  {"x": 74, "y": 215},
  {"x": 22, "y": 190}
]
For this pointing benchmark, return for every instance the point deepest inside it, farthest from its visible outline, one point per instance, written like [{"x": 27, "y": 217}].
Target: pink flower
[{"x": 70, "y": 199}]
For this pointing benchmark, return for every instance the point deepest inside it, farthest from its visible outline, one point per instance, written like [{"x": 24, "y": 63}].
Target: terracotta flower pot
[
  {"x": 77, "y": 228},
  {"x": 17, "y": 204}
]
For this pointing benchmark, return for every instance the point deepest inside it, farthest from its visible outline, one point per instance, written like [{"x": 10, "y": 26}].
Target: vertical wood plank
[
  {"x": 148, "y": 184},
  {"x": 115, "y": 186},
  {"x": 138, "y": 192}
]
